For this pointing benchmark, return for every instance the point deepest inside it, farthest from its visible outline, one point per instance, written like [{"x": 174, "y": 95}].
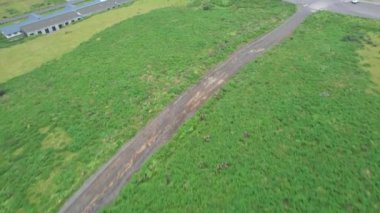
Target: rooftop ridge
[{"x": 36, "y": 20}]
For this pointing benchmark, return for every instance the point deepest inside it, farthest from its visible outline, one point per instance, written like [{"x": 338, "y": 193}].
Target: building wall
[
  {"x": 57, "y": 27},
  {"x": 12, "y": 35}
]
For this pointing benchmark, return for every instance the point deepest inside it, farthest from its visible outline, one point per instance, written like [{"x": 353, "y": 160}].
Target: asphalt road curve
[
  {"x": 362, "y": 9},
  {"x": 106, "y": 183},
  {"x": 365, "y": 9}
]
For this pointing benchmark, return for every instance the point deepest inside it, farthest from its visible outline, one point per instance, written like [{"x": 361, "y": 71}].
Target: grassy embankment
[
  {"x": 63, "y": 120},
  {"x": 296, "y": 130},
  {"x": 10, "y": 8},
  {"x": 32, "y": 53}
]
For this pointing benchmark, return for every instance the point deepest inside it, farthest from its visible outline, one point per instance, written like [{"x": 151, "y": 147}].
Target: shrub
[
  {"x": 207, "y": 5},
  {"x": 2, "y": 92}
]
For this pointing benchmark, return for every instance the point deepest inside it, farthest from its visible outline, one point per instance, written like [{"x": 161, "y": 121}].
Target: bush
[
  {"x": 2, "y": 92},
  {"x": 354, "y": 37}
]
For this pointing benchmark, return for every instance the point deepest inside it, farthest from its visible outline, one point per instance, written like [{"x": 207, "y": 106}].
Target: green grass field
[
  {"x": 60, "y": 122},
  {"x": 298, "y": 130},
  {"x": 10, "y": 8},
  {"x": 30, "y": 54}
]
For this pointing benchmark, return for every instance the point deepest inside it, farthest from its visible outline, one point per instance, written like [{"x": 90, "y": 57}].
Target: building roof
[
  {"x": 38, "y": 25},
  {"x": 33, "y": 18},
  {"x": 36, "y": 21},
  {"x": 96, "y": 8}
]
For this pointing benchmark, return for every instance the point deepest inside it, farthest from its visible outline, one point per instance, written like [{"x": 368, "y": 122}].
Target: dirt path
[{"x": 106, "y": 183}]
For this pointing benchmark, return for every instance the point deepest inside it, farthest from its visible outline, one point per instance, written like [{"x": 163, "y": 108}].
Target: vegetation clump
[{"x": 2, "y": 92}]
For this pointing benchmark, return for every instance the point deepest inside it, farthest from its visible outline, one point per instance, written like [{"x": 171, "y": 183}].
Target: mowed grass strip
[
  {"x": 60, "y": 122},
  {"x": 296, "y": 130},
  {"x": 27, "y": 56}
]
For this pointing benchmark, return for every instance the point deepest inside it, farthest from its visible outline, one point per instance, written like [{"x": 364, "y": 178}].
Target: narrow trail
[{"x": 106, "y": 183}]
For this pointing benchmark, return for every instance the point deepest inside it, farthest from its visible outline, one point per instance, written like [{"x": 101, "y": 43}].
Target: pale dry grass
[{"x": 371, "y": 60}]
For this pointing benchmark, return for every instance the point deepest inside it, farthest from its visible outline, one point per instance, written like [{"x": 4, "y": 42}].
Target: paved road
[
  {"x": 363, "y": 9},
  {"x": 106, "y": 183}
]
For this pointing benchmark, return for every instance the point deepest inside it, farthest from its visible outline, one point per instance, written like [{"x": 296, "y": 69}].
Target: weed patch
[{"x": 57, "y": 139}]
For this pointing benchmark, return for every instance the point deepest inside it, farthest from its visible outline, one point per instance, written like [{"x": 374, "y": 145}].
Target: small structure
[
  {"x": 38, "y": 24},
  {"x": 52, "y": 24}
]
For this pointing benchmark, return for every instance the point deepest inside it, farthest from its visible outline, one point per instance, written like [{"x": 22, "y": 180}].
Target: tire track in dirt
[{"x": 106, "y": 183}]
